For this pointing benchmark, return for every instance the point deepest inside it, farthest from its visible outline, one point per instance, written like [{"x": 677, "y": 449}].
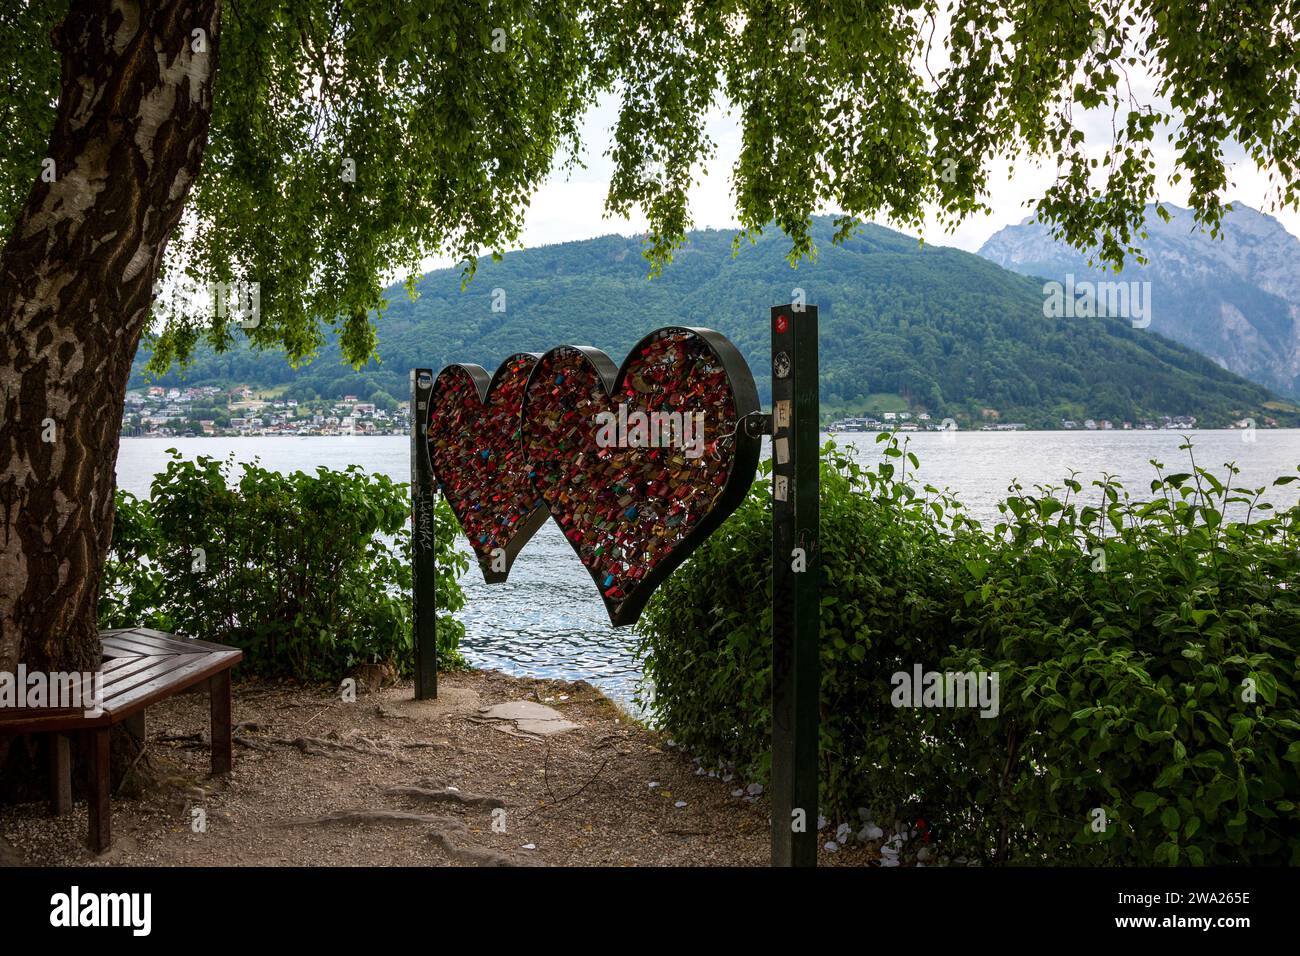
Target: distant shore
[{"x": 825, "y": 431}]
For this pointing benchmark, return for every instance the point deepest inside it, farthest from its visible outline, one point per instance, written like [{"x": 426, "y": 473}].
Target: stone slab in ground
[{"x": 529, "y": 717}]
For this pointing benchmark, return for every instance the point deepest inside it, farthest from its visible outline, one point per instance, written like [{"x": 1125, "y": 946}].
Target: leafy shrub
[
  {"x": 309, "y": 574},
  {"x": 1146, "y": 653}
]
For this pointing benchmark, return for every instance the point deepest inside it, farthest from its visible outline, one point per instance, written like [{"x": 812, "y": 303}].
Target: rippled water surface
[{"x": 549, "y": 621}]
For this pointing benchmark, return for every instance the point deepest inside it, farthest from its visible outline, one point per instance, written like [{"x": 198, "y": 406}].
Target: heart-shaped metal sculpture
[
  {"x": 639, "y": 464},
  {"x": 475, "y": 455}
]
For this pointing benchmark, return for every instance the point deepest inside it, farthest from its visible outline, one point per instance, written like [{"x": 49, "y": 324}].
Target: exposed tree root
[
  {"x": 445, "y": 795},
  {"x": 377, "y": 816},
  {"x": 323, "y": 746},
  {"x": 446, "y": 828},
  {"x": 476, "y": 855}
]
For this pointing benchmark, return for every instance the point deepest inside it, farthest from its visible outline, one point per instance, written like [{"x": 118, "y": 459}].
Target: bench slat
[
  {"x": 131, "y": 667},
  {"x": 138, "y": 645},
  {"x": 173, "y": 642},
  {"x": 149, "y": 634},
  {"x": 197, "y": 668},
  {"x": 155, "y": 668},
  {"x": 194, "y": 642},
  {"x": 113, "y": 663},
  {"x": 27, "y": 715},
  {"x": 153, "y": 645}
]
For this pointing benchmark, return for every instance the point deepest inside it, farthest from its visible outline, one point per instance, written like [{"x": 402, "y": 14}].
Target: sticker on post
[
  {"x": 781, "y": 418},
  {"x": 782, "y": 447},
  {"x": 781, "y": 487}
]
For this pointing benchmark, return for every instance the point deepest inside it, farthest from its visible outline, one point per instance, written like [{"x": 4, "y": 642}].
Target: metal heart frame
[
  {"x": 744, "y": 463},
  {"x": 485, "y": 385}
]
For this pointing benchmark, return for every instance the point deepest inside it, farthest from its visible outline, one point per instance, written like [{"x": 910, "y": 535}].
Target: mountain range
[
  {"x": 902, "y": 326},
  {"x": 1235, "y": 298}
]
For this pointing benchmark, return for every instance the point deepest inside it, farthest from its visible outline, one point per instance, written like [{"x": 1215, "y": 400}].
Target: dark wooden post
[
  {"x": 796, "y": 567},
  {"x": 423, "y": 552},
  {"x": 219, "y": 722},
  {"x": 98, "y": 777}
]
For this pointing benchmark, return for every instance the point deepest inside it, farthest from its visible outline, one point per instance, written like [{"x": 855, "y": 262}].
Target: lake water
[{"x": 548, "y": 620}]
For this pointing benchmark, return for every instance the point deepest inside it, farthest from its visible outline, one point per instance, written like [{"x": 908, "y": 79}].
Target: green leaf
[
  {"x": 1146, "y": 801},
  {"x": 1171, "y": 775}
]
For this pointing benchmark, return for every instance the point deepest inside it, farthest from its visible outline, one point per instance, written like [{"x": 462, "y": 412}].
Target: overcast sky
[{"x": 571, "y": 207}]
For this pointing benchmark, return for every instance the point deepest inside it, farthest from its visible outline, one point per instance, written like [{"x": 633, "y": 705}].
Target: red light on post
[{"x": 781, "y": 324}]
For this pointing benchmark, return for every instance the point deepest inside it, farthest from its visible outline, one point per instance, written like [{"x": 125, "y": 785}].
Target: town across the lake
[
  {"x": 195, "y": 411},
  {"x": 210, "y": 410}
]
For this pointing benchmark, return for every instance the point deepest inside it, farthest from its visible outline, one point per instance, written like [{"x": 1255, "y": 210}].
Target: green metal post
[
  {"x": 423, "y": 551},
  {"x": 796, "y": 572}
]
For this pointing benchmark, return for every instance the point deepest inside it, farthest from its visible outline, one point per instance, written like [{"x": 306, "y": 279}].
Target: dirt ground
[{"x": 386, "y": 780}]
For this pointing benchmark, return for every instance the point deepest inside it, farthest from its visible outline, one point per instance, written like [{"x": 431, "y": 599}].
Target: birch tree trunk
[{"x": 76, "y": 283}]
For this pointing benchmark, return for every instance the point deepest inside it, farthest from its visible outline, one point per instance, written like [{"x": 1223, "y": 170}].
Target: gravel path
[{"x": 386, "y": 781}]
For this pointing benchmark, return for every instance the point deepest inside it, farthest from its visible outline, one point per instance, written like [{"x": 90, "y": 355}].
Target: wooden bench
[{"x": 141, "y": 667}]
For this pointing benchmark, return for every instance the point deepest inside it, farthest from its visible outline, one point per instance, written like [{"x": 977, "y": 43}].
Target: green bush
[
  {"x": 309, "y": 574},
  {"x": 1146, "y": 653}
]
